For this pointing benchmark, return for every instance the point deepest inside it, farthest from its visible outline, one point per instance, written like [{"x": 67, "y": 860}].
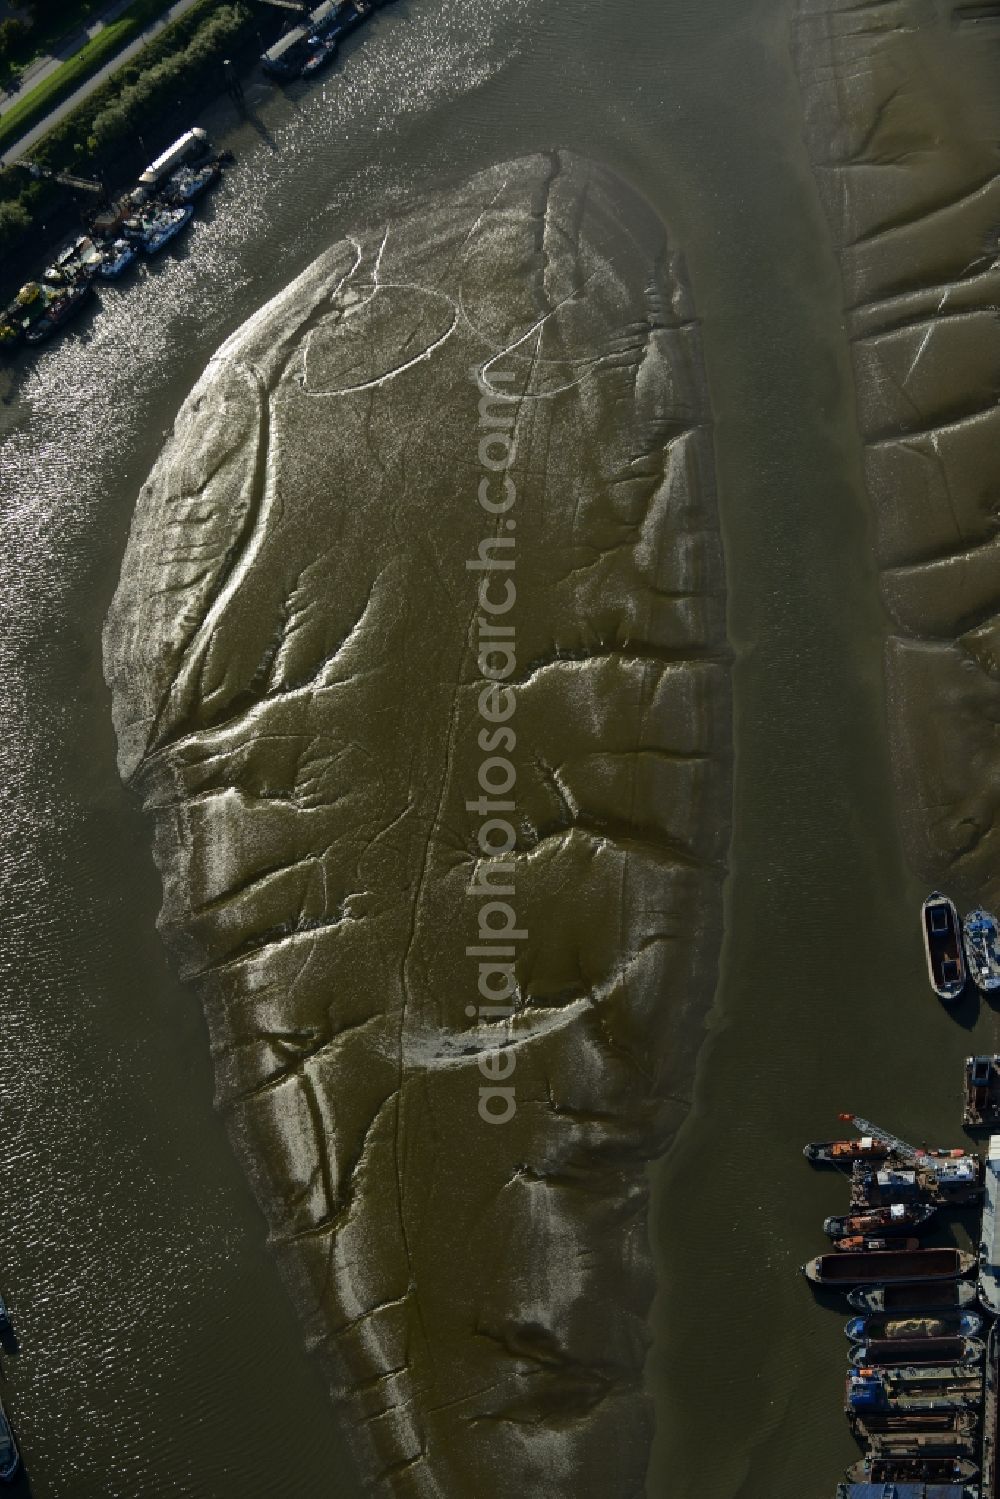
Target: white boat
[
  {"x": 117, "y": 259},
  {"x": 982, "y": 948}
]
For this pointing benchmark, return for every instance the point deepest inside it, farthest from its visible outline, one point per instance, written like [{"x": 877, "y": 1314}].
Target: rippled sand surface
[
  {"x": 902, "y": 124},
  {"x": 296, "y": 656}
]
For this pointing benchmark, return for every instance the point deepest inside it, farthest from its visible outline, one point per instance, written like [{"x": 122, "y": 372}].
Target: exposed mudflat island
[
  {"x": 418, "y": 662},
  {"x": 903, "y": 124}
]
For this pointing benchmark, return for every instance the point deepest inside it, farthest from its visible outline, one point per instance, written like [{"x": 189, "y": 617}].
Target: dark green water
[{"x": 160, "y": 1353}]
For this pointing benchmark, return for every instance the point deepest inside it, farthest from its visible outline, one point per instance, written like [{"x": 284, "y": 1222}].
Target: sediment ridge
[{"x": 902, "y": 125}]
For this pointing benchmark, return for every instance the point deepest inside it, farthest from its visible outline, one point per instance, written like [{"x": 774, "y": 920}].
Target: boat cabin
[
  {"x": 188, "y": 147},
  {"x": 285, "y": 58}
]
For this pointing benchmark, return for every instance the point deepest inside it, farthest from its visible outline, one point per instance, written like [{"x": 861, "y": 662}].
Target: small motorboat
[
  {"x": 944, "y": 1325},
  {"x": 894, "y": 1219},
  {"x": 844, "y": 1152},
  {"x": 10, "y": 1458},
  {"x": 154, "y": 228},
  {"x": 860, "y": 1244},
  {"x": 982, "y": 948},
  {"x": 188, "y": 183},
  {"x": 118, "y": 256},
  {"x": 322, "y": 50},
  {"x": 165, "y": 227},
  {"x": 943, "y": 946}
]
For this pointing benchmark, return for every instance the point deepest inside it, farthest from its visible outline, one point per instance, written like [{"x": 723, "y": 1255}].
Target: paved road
[
  {"x": 68, "y": 46},
  {"x": 23, "y": 146}
]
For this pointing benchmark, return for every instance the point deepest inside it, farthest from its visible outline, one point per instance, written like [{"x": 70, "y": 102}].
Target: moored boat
[
  {"x": 916, "y": 1490},
  {"x": 894, "y": 1219},
  {"x": 918, "y": 1468},
  {"x": 921, "y": 1296},
  {"x": 188, "y": 183},
  {"x": 888, "y": 1266},
  {"x": 322, "y": 51},
  {"x": 80, "y": 261},
  {"x": 10, "y": 1458},
  {"x": 943, "y": 946},
  {"x": 860, "y": 1244},
  {"x": 944, "y": 1325},
  {"x": 59, "y": 309},
  {"x": 894, "y": 1432},
  {"x": 164, "y": 227},
  {"x": 118, "y": 256},
  {"x": 981, "y": 934},
  {"x": 884, "y": 1352},
  {"x": 940, "y": 1390},
  {"x": 843, "y": 1152}
]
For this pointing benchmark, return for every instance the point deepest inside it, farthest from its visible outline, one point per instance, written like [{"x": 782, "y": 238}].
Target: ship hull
[
  {"x": 981, "y": 935},
  {"x": 943, "y": 947}
]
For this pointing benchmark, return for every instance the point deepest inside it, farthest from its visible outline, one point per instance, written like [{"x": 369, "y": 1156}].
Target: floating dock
[
  {"x": 989, "y": 1463},
  {"x": 981, "y": 1105},
  {"x": 989, "y": 1239}
]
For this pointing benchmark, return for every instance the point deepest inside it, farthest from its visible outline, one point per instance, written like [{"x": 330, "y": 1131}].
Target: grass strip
[{"x": 52, "y": 90}]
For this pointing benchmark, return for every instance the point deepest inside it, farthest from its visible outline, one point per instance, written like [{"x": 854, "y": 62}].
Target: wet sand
[{"x": 305, "y": 651}]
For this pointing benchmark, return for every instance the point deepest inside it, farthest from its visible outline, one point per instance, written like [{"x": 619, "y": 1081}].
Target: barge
[
  {"x": 940, "y": 1469},
  {"x": 886, "y": 1352},
  {"x": 916, "y": 1441},
  {"x": 888, "y": 1267},
  {"x": 906, "y": 1490},
  {"x": 888, "y": 1431},
  {"x": 948, "y": 1324},
  {"x": 927, "y": 1296}
]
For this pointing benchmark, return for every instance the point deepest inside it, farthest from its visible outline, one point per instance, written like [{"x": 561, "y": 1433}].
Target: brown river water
[{"x": 160, "y": 1354}]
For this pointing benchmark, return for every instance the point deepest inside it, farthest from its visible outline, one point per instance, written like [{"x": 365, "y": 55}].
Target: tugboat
[
  {"x": 943, "y": 946},
  {"x": 936, "y": 1297},
  {"x": 894, "y": 1219},
  {"x": 844, "y": 1152},
  {"x": 10, "y": 1458},
  {"x": 947, "y": 1324},
  {"x": 982, "y": 948}
]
